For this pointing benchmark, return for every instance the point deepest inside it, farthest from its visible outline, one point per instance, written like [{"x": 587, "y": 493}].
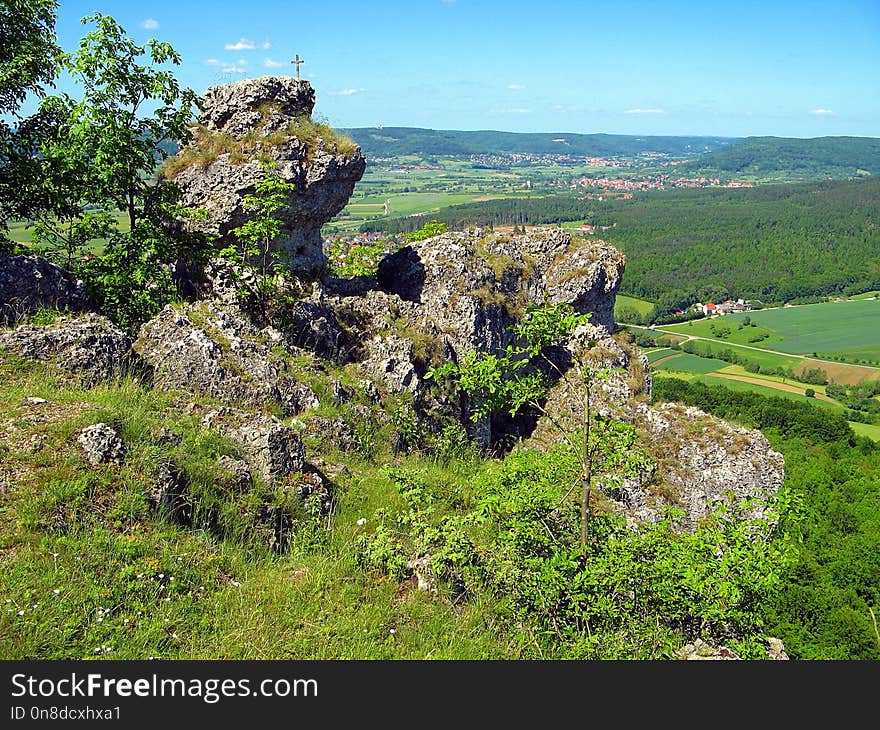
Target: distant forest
[
  {"x": 773, "y": 243},
  {"x": 833, "y": 157},
  {"x": 397, "y": 141}
]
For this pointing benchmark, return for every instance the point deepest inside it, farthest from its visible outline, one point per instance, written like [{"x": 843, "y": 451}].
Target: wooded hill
[
  {"x": 834, "y": 157},
  {"x": 397, "y": 141}
]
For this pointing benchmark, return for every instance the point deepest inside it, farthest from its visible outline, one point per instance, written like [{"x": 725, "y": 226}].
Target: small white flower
[
  {"x": 35, "y": 605},
  {"x": 171, "y": 578},
  {"x": 393, "y": 631},
  {"x": 236, "y": 583},
  {"x": 8, "y": 600},
  {"x": 21, "y": 613},
  {"x": 161, "y": 575},
  {"x": 125, "y": 621},
  {"x": 173, "y": 636},
  {"x": 362, "y": 521},
  {"x": 56, "y": 591},
  {"x": 100, "y": 619}
]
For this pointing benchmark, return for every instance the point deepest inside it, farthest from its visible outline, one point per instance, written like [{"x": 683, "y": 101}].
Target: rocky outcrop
[
  {"x": 101, "y": 444},
  {"x": 703, "y": 463},
  {"x": 269, "y": 118},
  {"x": 273, "y": 450},
  {"x": 90, "y": 347},
  {"x": 28, "y": 283},
  {"x": 210, "y": 349}
]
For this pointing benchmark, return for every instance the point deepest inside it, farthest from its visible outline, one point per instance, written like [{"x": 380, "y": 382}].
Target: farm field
[
  {"x": 686, "y": 363},
  {"x": 737, "y": 385},
  {"x": 729, "y": 328},
  {"x": 642, "y": 306},
  {"x": 768, "y": 360},
  {"x": 850, "y": 329},
  {"x": 872, "y": 431}
]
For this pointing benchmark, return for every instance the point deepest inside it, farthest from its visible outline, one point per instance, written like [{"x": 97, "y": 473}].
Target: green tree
[
  {"x": 28, "y": 50},
  {"x": 523, "y": 376},
  {"x": 258, "y": 234},
  {"x": 127, "y": 110},
  {"x": 102, "y": 155},
  {"x": 28, "y": 63},
  {"x": 429, "y": 230}
]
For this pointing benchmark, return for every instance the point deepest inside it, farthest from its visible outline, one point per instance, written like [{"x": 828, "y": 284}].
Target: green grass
[
  {"x": 642, "y": 306},
  {"x": 727, "y": 329},
  {"x": 687, "y": 363},
  {"x": 89, "y": 565},
  {"x": 872, "y": 431},
  {"x": 768, "y": 360}
]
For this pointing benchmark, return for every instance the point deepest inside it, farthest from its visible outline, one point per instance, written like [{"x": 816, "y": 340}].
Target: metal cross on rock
[{"x": 298, "y": 61}]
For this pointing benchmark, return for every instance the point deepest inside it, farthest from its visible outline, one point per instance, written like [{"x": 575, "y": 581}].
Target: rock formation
[
  {"x": 268, "y": 119},
  {"x": 208, "y": 348},
  {"x": 89, "y": 347},
  {"x": 28, "y": 283}
]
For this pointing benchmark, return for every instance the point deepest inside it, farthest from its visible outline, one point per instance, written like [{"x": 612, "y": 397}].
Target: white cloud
[
  {"x": 346, "y": 92},
  {"x": 150, "y": 24},
  {"x": 269, "y": 63},
  {"x": 243, "y": 45},
  {"x": 266, "y": 45},
  {"x": 516, "y": 87},
  {"x": 645, "y": 111},
  {"x": 515, "y": 111},
  {"x": 822, "y": 112},
  {"x": 238, "y": 67}
]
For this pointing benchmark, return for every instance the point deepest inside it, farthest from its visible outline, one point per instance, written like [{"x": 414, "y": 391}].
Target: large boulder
[
  {"x": 211, "y": 349},
  {"x": 272, "y": 449},
  {"x": 28, "y": 283},
  {"x": 90, "y": 347},
  {"x": 255, "y": 120}
]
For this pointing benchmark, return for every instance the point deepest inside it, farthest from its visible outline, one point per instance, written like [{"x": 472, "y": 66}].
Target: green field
[
  {"x": 738, "y": 385},
  {"x": 767, "y": 360},
  {"x": 850, "y": 329},
  {"x": 872, "y": 431},
  {"x": 729, "y": 328},
  {"x": 642, "y": 306},
  {"x": 686, "y": 363}
]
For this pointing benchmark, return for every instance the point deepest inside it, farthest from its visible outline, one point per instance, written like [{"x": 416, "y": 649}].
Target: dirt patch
[
  {"x": 840, "y": 372},
  {"x": 772, "y": 384}
]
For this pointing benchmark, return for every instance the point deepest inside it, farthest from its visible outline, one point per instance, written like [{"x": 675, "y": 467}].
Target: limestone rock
[
  {"x": 705, "y": 462},
  {"x": 211, "y": 349},
  {"x": 295, "y": 396},
  {"x": 240, "y": 478},
  {"x": 90, "y": 347},
  {"x": 332, "y": 433},
  {"x": 272, "y": 449},
  {"x": 101, "y": 445},
  {"x": 389, "y": 362},
  {"x": 776, "y": 649},
  {"x": 699, "y": 650},
  {"x": 313, "y": 326},
  {"x": 275, "y": 112},
  {"x": 28, "y": 283}
]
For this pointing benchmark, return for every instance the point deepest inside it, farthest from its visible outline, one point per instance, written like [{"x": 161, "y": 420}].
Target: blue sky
[{"x": 734, "y": 68}]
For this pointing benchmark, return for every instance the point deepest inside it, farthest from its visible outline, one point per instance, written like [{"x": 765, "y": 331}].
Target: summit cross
[{"x": 298, "y": 61}]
